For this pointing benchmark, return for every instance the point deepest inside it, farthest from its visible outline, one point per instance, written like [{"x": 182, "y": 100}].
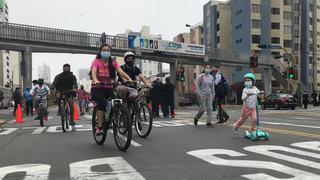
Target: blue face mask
[{"x": 105, "y": 54}]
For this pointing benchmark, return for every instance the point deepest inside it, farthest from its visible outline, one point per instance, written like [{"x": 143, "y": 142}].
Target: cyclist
[
  {"x": 103, "y": 69},
  {"x": 134, "y": 72},
  {"x": 65, "y": 83},
  {"x": 38, "y": 91}
]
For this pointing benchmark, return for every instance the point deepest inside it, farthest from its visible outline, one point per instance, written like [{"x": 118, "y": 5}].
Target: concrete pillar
[
  {"x": 266, "y": 79},
  {"x": 173, "y": 69},
  {"x": 26, "y": 66}
]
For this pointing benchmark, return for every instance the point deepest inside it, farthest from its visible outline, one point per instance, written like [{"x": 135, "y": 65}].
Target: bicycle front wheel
[
  {"x": 122, "y": 127},
  {"x": 64, "y": 120},
  {"x": 101, "y": 137},
  {"x": 143, "y": 121}
]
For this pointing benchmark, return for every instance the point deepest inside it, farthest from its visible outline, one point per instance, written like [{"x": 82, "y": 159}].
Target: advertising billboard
[{"x": 165, "y": 46}]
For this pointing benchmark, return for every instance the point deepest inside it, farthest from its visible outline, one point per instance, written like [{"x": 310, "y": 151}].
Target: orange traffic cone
[
  {"x": 75, "y": 112},
  {"x": 19, "y": 116}
]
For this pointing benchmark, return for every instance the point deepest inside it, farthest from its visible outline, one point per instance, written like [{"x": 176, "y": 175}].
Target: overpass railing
[{"x": 39, "y": 34}]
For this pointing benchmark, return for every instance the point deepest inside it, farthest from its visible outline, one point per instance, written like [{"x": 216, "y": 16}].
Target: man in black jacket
[
  {"x": 169, "y": 98},
  {"x": 65, "y": 82}
]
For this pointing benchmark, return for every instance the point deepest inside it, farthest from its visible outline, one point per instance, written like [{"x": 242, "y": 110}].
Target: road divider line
[{"x": 288, "y": 124}]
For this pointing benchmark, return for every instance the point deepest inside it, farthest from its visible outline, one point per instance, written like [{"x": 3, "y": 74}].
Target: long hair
[{"x": 101, "y": 46}]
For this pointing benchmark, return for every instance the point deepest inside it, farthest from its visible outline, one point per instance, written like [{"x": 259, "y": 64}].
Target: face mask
[
  {"x": 130, "y": 63},
  {"x": 207, "y": 71},
  {"x": 248, "y": 84},
  {"x": 105, "y": 54}
]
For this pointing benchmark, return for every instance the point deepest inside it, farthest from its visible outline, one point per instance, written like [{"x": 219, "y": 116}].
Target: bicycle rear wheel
[
  {"x": 143, "y": 121},
  {"x": 64, "y": 123},
  {"x": 122, "y": 127},
  {"x": 99, "y": 138}
]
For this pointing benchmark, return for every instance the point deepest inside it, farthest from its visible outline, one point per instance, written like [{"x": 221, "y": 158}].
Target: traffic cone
[
  {"x": 19, "y": 115},
  {"x": 75, "y": 112}
]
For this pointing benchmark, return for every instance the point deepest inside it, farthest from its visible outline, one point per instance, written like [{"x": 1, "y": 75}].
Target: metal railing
[{"x": 58, "y": 36}]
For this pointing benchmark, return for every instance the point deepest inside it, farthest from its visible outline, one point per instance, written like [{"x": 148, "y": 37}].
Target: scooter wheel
[{"x": 267, "y": 136}]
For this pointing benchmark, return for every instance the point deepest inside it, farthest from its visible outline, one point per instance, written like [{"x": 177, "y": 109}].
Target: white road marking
[{"x": 289, "y": 124}]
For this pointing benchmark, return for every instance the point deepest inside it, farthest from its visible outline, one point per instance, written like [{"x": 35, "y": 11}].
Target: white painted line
[
  {"x": 132, "y": 142},
  {"x": 38, "y": 130},
  {"x": 12, "y": 121},
  {"x": 7, "y": 131},
  {"x": 288, "y": 124}
]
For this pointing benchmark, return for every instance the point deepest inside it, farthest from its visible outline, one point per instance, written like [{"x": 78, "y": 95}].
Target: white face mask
[
  {"x": 248, "y": 84},
  {"x": 207, "y": 70}
]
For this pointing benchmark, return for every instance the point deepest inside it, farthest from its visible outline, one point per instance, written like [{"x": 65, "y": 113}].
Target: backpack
[
  {"x": 222, "y": 89},
  {"x": 112, "y": 70}
]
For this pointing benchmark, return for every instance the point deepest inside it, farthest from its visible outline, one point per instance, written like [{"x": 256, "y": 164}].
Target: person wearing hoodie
[{"x": 206, "y": 92}]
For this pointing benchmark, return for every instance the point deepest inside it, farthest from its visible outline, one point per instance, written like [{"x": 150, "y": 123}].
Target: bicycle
[
  {"x": 65, "y": 110},
  {"x": 141, "y": 113},
  {"x": 42, "y": 110},
  {"x": 116, "y": 117}
]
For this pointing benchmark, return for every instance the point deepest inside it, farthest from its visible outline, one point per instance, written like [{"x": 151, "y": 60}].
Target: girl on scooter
[{"x": 249, "y": 98}]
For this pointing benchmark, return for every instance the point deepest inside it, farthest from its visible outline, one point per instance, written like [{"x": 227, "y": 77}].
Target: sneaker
[
  {"x": 235, "y": 130},
  {"x": 81, "y": 114},
  {"x": 209, "y": 124},
  {"x": 195, "y": 121}
]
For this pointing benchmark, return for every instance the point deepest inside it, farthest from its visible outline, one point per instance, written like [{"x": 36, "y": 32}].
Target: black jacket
[
  {"x": 168, "y": 89},
  {"x": 65, "y": 81}
]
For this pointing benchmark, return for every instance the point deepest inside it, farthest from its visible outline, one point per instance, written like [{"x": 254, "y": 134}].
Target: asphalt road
[{"x": 175, "y": 149}]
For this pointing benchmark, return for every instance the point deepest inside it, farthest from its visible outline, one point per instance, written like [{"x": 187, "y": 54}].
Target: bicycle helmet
[{"x": 250, "y": 75}]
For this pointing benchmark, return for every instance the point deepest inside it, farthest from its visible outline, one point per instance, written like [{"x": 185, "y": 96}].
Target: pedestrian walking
[
  {"x": 82, "y": 95},
  {"x": 169, "y": 98},
  {"x": 206, "y": 93},
  {"x": 29, "y": 101},
  {"x": 249, "y": 98},
  {"x": 220, "y": 94},
  {"x": 314, "y": 98},
  {"x": 16, "y": 96},
  {"x": 305, "y": 99}
]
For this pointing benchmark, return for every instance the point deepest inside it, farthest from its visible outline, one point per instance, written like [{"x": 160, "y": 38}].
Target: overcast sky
[{"x": 166, "y": 17}]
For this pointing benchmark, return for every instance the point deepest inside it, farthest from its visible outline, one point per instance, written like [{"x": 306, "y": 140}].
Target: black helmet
[{"x": 40, "y": 80}]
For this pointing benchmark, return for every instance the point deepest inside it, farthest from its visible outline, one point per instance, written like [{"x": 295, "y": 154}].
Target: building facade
[
  {"x": 44, "y": 72},
  {"x": 4, "y": 54}
]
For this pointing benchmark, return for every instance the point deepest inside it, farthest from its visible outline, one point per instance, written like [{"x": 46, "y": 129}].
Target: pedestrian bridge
[{"x": 29, "y": 39}]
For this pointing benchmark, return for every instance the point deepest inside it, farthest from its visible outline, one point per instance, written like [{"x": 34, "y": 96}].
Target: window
[
  {"x": 297, "y": 7},
  {"x": 238, "y": 26},
  {"x": 218, "y": 27},
  {"x": 239, "y": 12},
  {"x": 275, "y": 40},
  {"x": 311, "y": 34},
  {"x": 275, "y": 53},
  {"x": 296, "y": 20},
  {"x": 296, "y": 46},
  {"x": 318, "y": 84},
  {"x": 310, "y": 20},
  {"x": 150, "y": 72},
  {"x": 287, "y": 15},
  {"x": 287, "y": 2},
  {"x": 238, "y": 41},
  {"x": 275, "y": 25},
  {"x": 255, "y": 8},
  {"x": 218, "y": 39},
  {"x": 218, "y": 14},
  {"x": 287, "y": 43},
  {"x": 275, "y": 11},
  {"x": 255, "y": 23},
  {"x": 287, "y": 29},
  {"x": 256, "y": 39}
]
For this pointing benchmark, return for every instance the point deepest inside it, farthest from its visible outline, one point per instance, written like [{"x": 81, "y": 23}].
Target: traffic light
[
  {"x": 253, "y": 61},
  {"x": 291, "y": 72},
  {"x": 182, "y": 77}
]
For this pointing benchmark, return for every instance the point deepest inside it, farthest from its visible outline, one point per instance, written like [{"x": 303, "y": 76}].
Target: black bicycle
[
  {"x": 116, "y": 117},
  {"x": 141, "y": 113},
  {"x": 65, "y": 110},
  {"x": 42, "y": 110}
]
